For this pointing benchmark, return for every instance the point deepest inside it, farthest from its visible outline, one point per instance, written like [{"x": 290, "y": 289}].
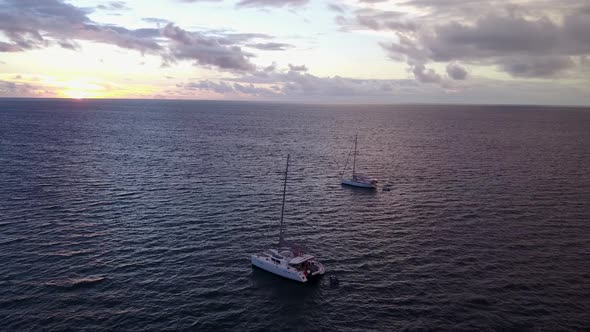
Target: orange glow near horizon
[
  {"x": 96, "y": 89},
  {"x": 81, "y": 87}
]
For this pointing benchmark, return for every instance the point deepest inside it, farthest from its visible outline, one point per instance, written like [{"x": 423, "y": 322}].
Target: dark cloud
[
  {"x": 206, "y": 85},
  {"x": 544, "y": 66},
  {"x": 456, "y": 72},
  {"x": 577, "y": 27},
  {"x": 29, "y": 24},
  {"x": 297, "y": 68},
  {"x": 143, "y": 40},
  {"x": 228, "y": 88},
  {"x": 32, "y": 24},
  {"x": 292, "y": 85},
  {"x": 298, "y": 84},
  {"x": 495, "y": 36},
  {"x": 251, "y": 89},
  {"x": 541, "y": 45},
  {"x": 69, "y": 44},
  {"x": 384, "y": 20},
  {"x": 425, "y": 75},
  {"x": 207, "y": 51},
  {"x": 7, "y": 47},
  {"x": 406, "y": 49},
  {"x": 523, "y": 38}
]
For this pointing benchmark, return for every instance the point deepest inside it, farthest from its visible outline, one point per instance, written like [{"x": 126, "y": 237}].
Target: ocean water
[{"x": 141, "y": 215}]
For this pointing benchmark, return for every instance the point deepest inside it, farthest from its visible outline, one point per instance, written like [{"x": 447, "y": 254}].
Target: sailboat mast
[
  {"x": 283, "y": 207},
  {"x": 354, "y": 158}
]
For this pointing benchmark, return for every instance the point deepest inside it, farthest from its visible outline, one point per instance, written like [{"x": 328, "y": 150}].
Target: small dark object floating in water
[
  {"x": 334, "y": 281},
  {"x": 387, "y": 188}
]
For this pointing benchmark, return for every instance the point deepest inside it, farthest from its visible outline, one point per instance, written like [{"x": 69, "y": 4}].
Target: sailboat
[
  {"x": 358, "y": 180},
  {"x": 288, "y": 260}
]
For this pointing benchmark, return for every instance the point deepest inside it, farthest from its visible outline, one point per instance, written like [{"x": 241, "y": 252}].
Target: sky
[{"x": 348, "y": 51}]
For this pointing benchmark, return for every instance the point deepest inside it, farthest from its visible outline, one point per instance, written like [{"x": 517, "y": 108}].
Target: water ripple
[{"x": 141, "y": 215}]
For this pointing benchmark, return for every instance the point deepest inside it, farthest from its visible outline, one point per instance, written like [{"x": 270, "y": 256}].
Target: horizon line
[{"x": 300, "y": 102}]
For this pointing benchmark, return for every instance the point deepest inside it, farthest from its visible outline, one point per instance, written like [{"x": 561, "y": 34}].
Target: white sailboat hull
[
  {"x": 350, "y": 182},
  {"x": 278, "y": 269}
]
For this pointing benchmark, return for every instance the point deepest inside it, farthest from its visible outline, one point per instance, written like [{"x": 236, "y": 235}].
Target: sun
[
  {"x": 75, "y": 94},
  {"x": 82, "y": 89}
]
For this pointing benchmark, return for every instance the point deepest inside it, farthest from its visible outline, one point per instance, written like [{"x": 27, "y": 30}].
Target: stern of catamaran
[{"x": 317, "y": 268}]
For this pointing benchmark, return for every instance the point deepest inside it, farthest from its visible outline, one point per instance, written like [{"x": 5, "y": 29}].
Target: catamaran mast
[
  {"x": 354, "y": 158},
  {"x": 284, "y": 194}
]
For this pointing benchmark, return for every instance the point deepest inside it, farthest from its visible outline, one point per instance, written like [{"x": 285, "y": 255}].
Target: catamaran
[
  {"x": 358, "y": 180},
  {"x": 288, "y": 260}
]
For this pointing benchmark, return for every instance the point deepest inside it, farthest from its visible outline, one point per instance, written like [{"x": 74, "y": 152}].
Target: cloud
[
  {"x": 69, "y": 44},
  {"x": 495, "y": 36},
  {"x": 272, "y": 46},
  {"x": 272, "y": 3},
  {"x": 542, "y": 43},
  {"x": 221, "y": 87},
  {"x": 232, "y": 37},
  {"x": 229, "y": 88},
  {"x": 7, "y": 47},
  {"x": 336, "y": 8},
  {"x": 297, "y": 68},
  {"x": 205, "y": 50},
  {"x": 375, "y": 19},
  {"x": 36, "y": 24},
  {"x": 155, "y": 20},
  {"x": 289, "y": 85},
  {"x": 536, "y": 66},
  {"x": 31, "y": 25},
  {"x": 296, "y": 84},
  {"x": 456, "y": 72},
  {"x": 425, "y": 75},
  {"x": 114, "y": 6},
  {"x": 270, "y": 69},
  {"x": 522, "y": 38},
  {"x": 17, "y": 89}
]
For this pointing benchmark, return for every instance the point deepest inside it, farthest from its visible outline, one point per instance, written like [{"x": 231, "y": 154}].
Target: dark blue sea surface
[{"x": 135, "y": 215}]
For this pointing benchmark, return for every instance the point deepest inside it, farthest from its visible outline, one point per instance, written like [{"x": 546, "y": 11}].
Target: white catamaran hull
[
  {"x": 286, "y": 272},
  {"x": 358, "y": 184}
]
